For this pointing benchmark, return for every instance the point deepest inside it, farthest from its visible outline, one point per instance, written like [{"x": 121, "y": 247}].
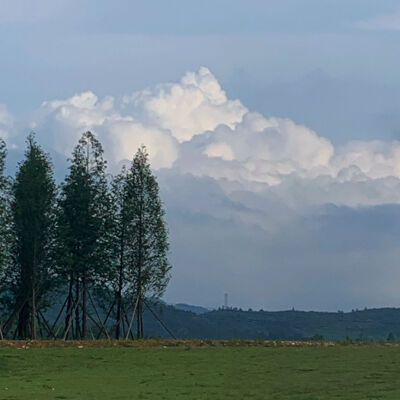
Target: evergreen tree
[
  {"x": 5, "y": 219},
  {"x": 33, "y": 206},
  {"x": 148, "y": 266},
  {"x": 121, "y": 231},
  {"x": 83, "y": 231},
  {"x": 6, "y": 237}
]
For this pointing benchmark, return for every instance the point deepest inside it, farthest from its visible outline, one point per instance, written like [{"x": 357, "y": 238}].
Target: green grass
[{"x": 243, "y": 373}]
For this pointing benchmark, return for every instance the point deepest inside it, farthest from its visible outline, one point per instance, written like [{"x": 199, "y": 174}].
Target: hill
[
  {"x": 371, "y": 324},
  {"x": 189, "y": 307}
]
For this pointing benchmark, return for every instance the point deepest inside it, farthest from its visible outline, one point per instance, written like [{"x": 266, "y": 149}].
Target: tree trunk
[
  {"x": 16, "y": 313},
  {"x": 34, "y": 311},
  {"x": 33, "y": 285},
  {"x": 139, "y": 306},
  {"x": 77, "y": 316},
  {"x": 140, "y": 318},
  {"x": 140, "y": 264},
  {"x": 84, "y": 305},
  {"x": 121, "y": 279},
  {"x": 119, "y": 297},
  {"x": 68, "y": 311},
  {"x": 119, "y": 306},
  {"x": 23, "y": 321}
]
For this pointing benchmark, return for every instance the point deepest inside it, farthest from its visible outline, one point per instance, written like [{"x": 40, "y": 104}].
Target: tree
[
  {"x": 391, "y": 337},
  {"x": 121, "y": 251},
  {"x": 148, "y": 237},
  {"x": 33, "y": 210},
  {"x": 5, "y": 232},
  {"x": 5, "y": 216},
  {"x": 83, "y": 228}
]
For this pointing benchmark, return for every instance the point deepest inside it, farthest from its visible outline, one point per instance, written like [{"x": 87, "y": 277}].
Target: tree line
[{"x": 94, "y": 247}]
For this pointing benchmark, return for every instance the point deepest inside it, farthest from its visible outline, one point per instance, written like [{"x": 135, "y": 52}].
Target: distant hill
[
  {"x": 372, "y": 324},
  {"x": 189, "y": 307}
]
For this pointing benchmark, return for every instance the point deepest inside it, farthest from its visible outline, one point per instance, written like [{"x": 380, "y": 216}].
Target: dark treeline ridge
[
  {"x": 379, "y": 324},
  {"x": 93, "y": 250}
]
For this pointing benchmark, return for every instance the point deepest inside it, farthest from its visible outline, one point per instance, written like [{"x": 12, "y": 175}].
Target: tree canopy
[
  {"x": 96, "y": 241},
  {"x": 33, "y": 211}
]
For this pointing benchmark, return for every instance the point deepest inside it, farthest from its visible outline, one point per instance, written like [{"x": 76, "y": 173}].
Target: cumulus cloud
[
  {"x": 63, "y": 121},
  {"x": 274, "y": 203},
  {"x": 193, "y": 128},
  {"x": 257, "y": 150},
  {"x": 160, "y": 118},
  {"x": 194, "y": 105},
  {"x": 126, "y": 136}
]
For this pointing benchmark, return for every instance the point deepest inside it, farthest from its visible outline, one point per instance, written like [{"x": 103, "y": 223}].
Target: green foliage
[
  {"x": 84, "y": 227},
  {"x": 148, "y": 266},
  {"x": 140, "y": 244},
  {"x": 5, "y": 215},
  {"x": 298, "y": 325},
  {"x": 33, "y": 209},
  {"x": 391, "y": 337},
  {"x": 88, "y": 240},
  {"x": 121, "y": 230},
  {"x": 84, "y": 208},
  {"x": 317, "y": 337}
]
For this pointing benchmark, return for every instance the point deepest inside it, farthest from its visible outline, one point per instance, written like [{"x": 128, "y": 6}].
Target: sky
[{"x": 273, "y": 129}]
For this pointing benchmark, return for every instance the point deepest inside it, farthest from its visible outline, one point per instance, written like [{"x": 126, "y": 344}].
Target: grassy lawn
[{"x": 243, "y": 373}]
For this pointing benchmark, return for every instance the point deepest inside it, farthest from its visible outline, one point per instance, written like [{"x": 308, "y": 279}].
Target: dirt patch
[{"x": 179, "y": 343}]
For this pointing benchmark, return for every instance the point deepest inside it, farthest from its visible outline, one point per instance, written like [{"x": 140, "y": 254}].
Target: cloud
[
  {"x": 220, "y": 150},
  {"x": 194, "y": 105},
  {"x": 6, "y": 122},
  {"x": 257, "y": 150},
  {"x": 387, "y": 22},
  {"x": 63, "y": 121},
  {"x": 324, "y": 258},
  {"x": 126, "y": 136},
  {"x": 257, "y": 203},
  {"x": 192, "y": 127},
  {"x": 160, "y": 118}
]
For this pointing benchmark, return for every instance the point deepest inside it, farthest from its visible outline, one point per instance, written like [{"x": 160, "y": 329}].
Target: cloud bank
[
  {"x": 263, "y": 195},
  {"x": 193, "y": 127}
]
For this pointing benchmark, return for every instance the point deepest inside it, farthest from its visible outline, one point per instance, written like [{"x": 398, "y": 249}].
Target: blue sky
[
  {"x": 306, "y": 60},
  {"x": 292, "y": 123}
]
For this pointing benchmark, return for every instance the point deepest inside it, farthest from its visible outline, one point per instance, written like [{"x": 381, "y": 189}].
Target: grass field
[{"x": 208, "y": 372}]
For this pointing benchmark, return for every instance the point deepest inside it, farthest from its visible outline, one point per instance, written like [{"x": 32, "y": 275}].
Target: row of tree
[{"x": 92, "y": 241}]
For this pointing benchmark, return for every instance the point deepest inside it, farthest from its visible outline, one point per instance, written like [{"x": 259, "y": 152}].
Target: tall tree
[
  {"x": 5, "y": 233},
  {"x": 148, "y": 237},
  {"x": 84, "y": 227},
  {"x": 33, "y": 209},
  {"x": 4, "y": 211},
  {"x": 120, "y": 239}
]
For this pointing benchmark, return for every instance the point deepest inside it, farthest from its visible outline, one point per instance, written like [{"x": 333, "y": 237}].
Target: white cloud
[
  {"x": 220, "y": 149},
  {"x": 194, "y": 105},
  {"x": 269, "y": 149},
  {"x": 65, "y": 120},
  {"x": 387, "y": 22},
  {"x": 376, "y": 159},
  {"x": 251, "y": 190},
  {"x": 6, "y": 122},
  {"x": 126, "y": 136},
  {"x": 192, "y": 127}
]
